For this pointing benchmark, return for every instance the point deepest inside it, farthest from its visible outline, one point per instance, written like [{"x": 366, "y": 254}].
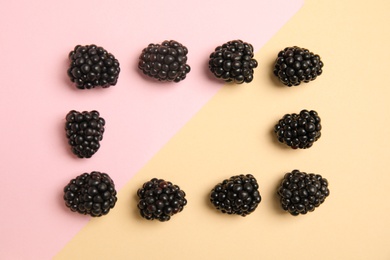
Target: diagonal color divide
[{"x": 142, "y": 115}]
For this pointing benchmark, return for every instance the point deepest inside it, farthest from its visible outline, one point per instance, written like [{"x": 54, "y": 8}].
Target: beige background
[{"x": 232, "y": 134}]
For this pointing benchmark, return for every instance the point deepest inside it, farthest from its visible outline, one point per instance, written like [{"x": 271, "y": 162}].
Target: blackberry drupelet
[
  {"x": 237, "y": 195},
  {"x": 295, "y": 65},
  {"x": 91, "y": 194},
  {"x": 92, "y": 66},
  {"x": 299, "y": 130},
  {"x": 301, "y": 192},
  {"x": 233, "y": 62},
  {"x": 166, "y": 61},
  {"x": 160, "y": 199},
  {"x": 84, "y": 131}
]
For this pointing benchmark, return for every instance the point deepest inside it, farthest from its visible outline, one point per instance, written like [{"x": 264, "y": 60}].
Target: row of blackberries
[
  {"x": 84, "y": 131},
  {"x": 92, "y": 66},
  {"x": 94, "y": 194}
]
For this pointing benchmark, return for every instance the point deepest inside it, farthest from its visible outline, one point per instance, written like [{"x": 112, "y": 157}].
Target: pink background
[{"x": 141, "y": 114}]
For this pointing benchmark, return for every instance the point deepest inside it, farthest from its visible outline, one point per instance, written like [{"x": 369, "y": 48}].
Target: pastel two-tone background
[{"x": 197, "y": 132}]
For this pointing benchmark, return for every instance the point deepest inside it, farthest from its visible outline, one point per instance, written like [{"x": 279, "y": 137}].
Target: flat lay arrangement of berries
[{"x": 94, "y": 193}]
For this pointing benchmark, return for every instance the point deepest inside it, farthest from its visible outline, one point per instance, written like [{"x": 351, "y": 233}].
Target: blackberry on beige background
[
  {"x": 91, "y": 194},
  {"x": 92, "y": 66},
  {"x": 165, "y": 62},
  {"x": 295, "y": 65},
  {"x": 233, "y": 62},
  {"x": 237, "y": 195},
  {"x": 299, "y": 130},
  {"x": 160, "y": 199},
  {"x": 84, "y": 131},
  {"x": 302, "y": 192}
]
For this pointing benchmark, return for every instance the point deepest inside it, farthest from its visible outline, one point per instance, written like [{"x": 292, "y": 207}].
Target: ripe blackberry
[
  {"x": 84, "y": 131},
  {"x": 237, "y": 195},
  {"x": 233, "y": 61},
  {"x": 295, "y": 65},
  {"x": 92, "y": 66},
  {"x": 160, "y": 199},
  {"x": 166, "y": 61},
  {"x": 299, "y": 130},
  {"x": 301, "y": 192},
  {"x": 90, "y": 194}
]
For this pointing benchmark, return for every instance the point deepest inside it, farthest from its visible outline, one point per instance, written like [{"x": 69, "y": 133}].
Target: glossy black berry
[
  {"x": 92, "y": 66},
  {"x": 84, "y": 131},
  {"x": 237, "y": 195},
  {"x": 160, "y": 199},
  {"x": 90, "y": 194},
  {"x": 299, "y": 130},
  {"x": 233, "y": 62},
  {"x": 295, "y": 65},
  {"x": 301, "y": 192},
  {"x": 166, "y": 61}
]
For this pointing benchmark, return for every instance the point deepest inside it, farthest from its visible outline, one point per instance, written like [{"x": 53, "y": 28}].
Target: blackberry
[
  {"x": 84, "y": 131},
  {"x": 301, "y": 192},
  {"x": 92, "y": 66},
  {"x": 90, "y": 194},
  {"x": 295, "y": 65},
  {"x": 160, "y": 199},
  {"x": 166, "y": 61},
  {"x": 299, "y": 130},
  {"x": 233, "y": 61},
  {"x": 237, "y": 195}
]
